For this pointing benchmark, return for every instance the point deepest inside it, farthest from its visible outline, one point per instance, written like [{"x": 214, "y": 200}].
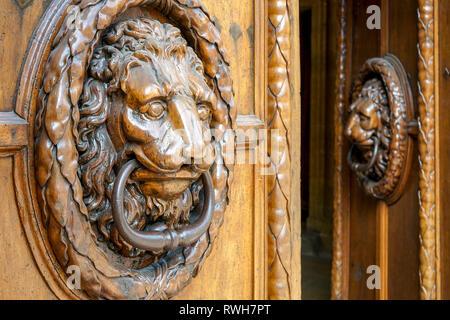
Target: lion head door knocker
[
  {"x": 379, "y": 127},
  {"x": 131, "y": 182},
  {"x": 146, "y": 109}
]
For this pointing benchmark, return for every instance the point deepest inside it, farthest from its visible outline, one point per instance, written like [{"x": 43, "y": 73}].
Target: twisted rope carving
[
  {"x": 59, "y": 188},
  {"x": 427, "y": 173},
  {"x": 337, "y": 268},
  {"x": 279, "y": 103}
]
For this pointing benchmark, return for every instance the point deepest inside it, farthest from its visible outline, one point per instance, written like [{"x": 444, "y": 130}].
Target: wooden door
[
  {"x": 403, "y": 238},
  {"x": 251, "y": 248}
]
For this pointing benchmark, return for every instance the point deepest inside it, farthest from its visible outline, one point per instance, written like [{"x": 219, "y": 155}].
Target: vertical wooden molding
[
  {"x": 437, "y": 151},
  {"x": 278, "y": 121},
  {"x": 427, "y": 150},
  {"x": 295, "y": 151},
  {"x": 382, "y": 249},
  {"x": 260, "y": 207},
  {"x": 339, "y": 282}
]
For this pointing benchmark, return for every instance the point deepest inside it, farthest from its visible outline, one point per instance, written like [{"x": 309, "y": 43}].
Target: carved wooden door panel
[
  {"x": 389, "y": 214},
  {"x": 376, "y": 202},
  {"x": 118, "y": 126}
]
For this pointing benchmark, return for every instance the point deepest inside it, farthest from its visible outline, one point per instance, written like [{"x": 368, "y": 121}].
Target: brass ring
[
  {"x": 363, "y": 167},
  {"x": 160, "y": 240}
]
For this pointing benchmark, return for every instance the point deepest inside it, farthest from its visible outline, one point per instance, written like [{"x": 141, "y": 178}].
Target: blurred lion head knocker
[
  {"x": 380, "y": 128},
  {"x": 146, "y": 99},
  {"x": 368, "y": 128}
]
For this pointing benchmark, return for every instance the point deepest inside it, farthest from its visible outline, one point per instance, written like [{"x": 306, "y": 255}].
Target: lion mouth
[
  {"x": 154, "y": 171},
  {"x": 366, "y": 144},
  {"x": 186, "y": 172},
  {"x": 166, "y": 186}
]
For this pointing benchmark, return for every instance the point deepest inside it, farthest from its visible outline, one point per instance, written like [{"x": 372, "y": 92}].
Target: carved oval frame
[
  {"x": 394, "y": 77},
  {"x": 49, "y": 89}
]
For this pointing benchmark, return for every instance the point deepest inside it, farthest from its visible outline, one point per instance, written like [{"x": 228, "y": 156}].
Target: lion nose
[
  {"x": 349, "y": 127},
  {"x": 187, "y": 124}
]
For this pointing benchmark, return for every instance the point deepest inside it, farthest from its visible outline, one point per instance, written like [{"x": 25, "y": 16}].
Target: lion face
[
  {"x": 368, "y": 127},
  {"x": 363, "y": 122},
  {"x": 146, "y": 98},
  {"x": 369, "y": 115},
  {"x": 165, "y": 124}
]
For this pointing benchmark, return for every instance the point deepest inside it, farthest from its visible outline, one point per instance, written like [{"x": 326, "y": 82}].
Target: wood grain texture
[
  {"x": 13, "y": 131},
  {"x": 362, "y": 210},
  {"x": 19, "y": 278},
  {"x": 427, "y": 150},
  {"x": 23, "y": 3},
  {"x": 236, "y": 244},
  {"x": 278, "y": 120},
  {"x": 295, "y": 152},
  {"x": 248, "y": 124},
  {"x": 402, "y": 247},
  {"x": 15, "y": 21},
  {"x": 339, "y": 287}
]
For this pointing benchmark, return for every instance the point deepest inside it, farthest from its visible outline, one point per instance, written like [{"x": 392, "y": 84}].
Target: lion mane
[{"x": 123, "y": 46}]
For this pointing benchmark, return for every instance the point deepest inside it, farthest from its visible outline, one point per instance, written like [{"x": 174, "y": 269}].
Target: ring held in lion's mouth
[
  {"x": 168, "y": 239},
  {"x": 165, "y": 185}
]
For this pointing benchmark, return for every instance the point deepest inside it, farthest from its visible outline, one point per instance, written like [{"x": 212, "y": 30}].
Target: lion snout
[{"x": 200, "y": 156}]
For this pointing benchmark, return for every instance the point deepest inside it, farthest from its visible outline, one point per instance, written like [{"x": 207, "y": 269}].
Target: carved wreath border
[
  {"x": 58, "y": 186},
  {"x": 397, "y": 88}
]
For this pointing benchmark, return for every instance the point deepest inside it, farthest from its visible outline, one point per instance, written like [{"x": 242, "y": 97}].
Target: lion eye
[
  {"x": 365, "y": 121},
  {"x": 154, "y": 109},
  {"x": 203, "y": 111},
  {"x": 363, "y": 117}
]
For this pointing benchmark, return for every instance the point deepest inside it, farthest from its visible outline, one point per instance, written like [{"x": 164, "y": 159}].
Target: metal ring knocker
[
  {"x": 362, "y": 168},
  {"x": 168, "y": 239}
]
